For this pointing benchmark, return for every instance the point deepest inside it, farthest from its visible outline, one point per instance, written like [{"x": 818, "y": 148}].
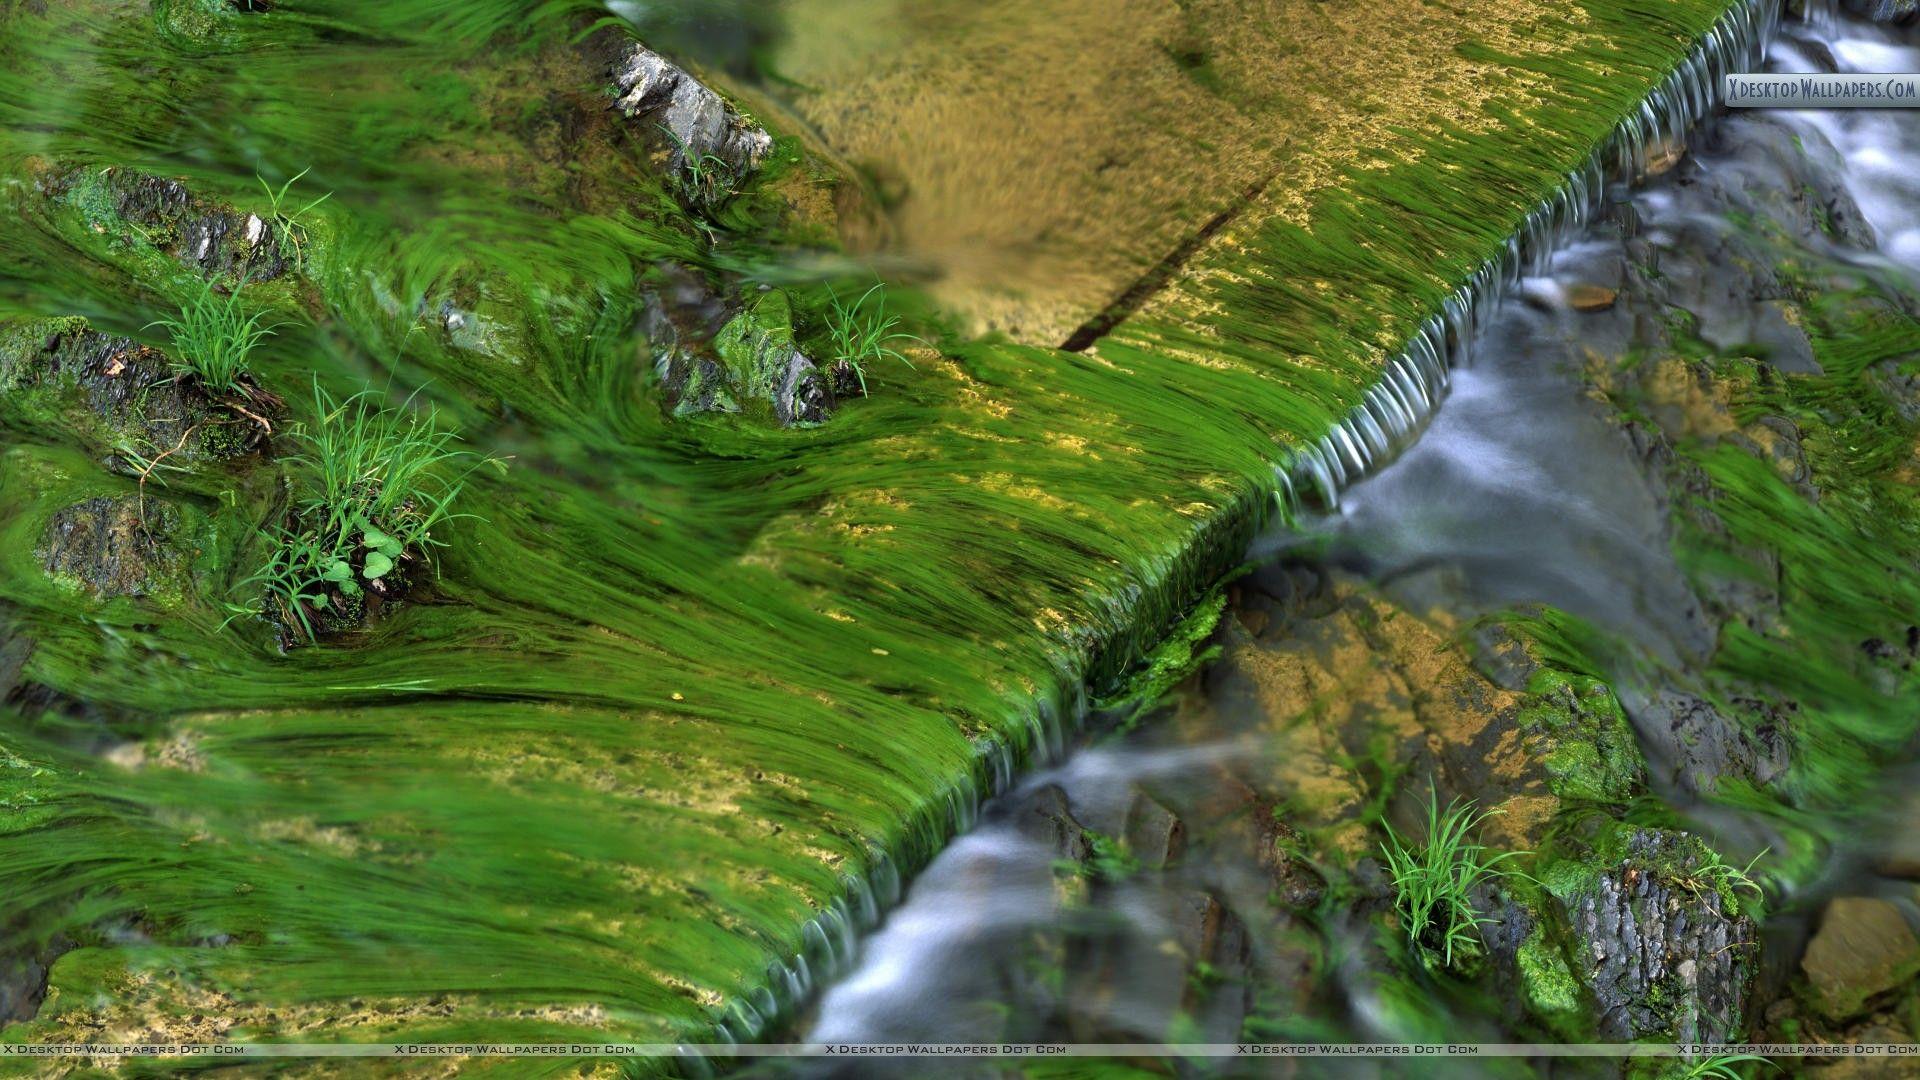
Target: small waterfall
[
  {"x": 1397, "y": 406},
  {"x": 1389, "y": 416}
]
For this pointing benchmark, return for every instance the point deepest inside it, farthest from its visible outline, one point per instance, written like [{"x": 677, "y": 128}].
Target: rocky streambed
[
  {"x": 1646, "y": 588},
  {"x": 763, "y": 570}
]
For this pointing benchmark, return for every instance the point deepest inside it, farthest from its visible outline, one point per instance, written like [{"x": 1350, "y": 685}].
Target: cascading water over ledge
[
  {"x": 1414, "y": 383},
  {"x": 1390, "y": 416}
]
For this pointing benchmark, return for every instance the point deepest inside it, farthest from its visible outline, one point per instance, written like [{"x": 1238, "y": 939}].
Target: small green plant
[
  {"x": 1107, "y": 860},
  {"x": 861, "y": 334},
  {"x": 1434, "y": 880},
  {"x": 1719, "y": 1067},
  {"x": 704, "y": 179},
  {"x": 287, "y": 223},
  {"x": 370, "y": 485},
  {"x": 1715, "y": 874},
  {"x": 213, "y": 339}
]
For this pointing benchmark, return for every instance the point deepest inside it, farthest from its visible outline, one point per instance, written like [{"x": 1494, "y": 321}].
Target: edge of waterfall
[{"x": 1392, "y": 414}]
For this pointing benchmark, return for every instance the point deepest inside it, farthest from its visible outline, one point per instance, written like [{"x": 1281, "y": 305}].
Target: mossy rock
[
  {"x": 213, "y": 238},
  {"x": 115, "y": 396},
  {"x": 763, "y": 362},
  {"x": 1588, "y": 747},
  {"x": 115, "y": 546}
]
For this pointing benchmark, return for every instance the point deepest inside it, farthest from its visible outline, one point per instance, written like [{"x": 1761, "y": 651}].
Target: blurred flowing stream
[{"x": 1518, "y": 493}]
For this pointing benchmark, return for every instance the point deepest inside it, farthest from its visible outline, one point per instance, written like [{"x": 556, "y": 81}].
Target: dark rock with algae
[
  {"x": 211, "y": 237},
  {"x": 122, "y": 397},
  {"x": 113, "y": 546},
  {"x": 1662, "y": 945},
  {"x": 750, "y": 357}
]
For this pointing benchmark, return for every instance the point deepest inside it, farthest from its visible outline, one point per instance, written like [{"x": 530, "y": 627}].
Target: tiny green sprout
[
  {"x": 287, "y": 223},
  {"x": 704, "y": 178}
]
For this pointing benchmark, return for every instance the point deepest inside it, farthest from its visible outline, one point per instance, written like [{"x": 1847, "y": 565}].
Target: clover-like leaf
[
  {"x": 378, "y": 565},
  {"x": 380, "y": 542},
  {"x": 336, "y": 571}
]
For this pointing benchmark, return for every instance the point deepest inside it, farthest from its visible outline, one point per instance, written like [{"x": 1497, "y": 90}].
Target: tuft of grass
[
  {"x": 861, "y": 334},
  {"x": 1434, "y": 879},
  {"x": 287, "y": 222},
  {"x": 1720, "y": 1067},
  {"x": 370, "y": 485},
  {"x": 1715, "y": 874},
  {"x": 213, "y": 339},
  {"x": 704, "y": 179}
]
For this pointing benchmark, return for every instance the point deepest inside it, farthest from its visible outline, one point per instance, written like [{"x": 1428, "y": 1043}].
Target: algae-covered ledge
[{"x": 763, "y": 592}]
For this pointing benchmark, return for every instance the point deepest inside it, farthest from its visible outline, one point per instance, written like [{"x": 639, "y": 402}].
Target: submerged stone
[
  {"x": 1864, "y": 947},
  {"x": 113, "y": 546},
  {"x": 211, "y": 237},
  {"x": 120, "y": 396}
]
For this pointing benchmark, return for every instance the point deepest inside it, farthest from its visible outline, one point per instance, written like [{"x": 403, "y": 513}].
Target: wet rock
[
  {"x": 1218, "y": 951},
  {"x": 1591, "y": 298},
  {"x": 762, "y": 360},
  {"x": 713, "y": 357},
  {"x": 213, "y": 238},
  {"x": 1153, "y": 833},
  {"x": 1297, "y": 886},
  {"x": 1048, "y": 820},
  {"x": 23, "y": 980},
  {"x": 1864, "y": 947},
  {"x": 113, "y": 546},
  {"x": 1782, "y": 340},
  {"x": 122, "y": 396},
  {"x": 1657, "y": 945},
  {"x": 1888, "y": 11},
  {"x": 1776, "y": 440},
  {"x": 1901, "y": 384},
  {"x": 1702, "y": 746},
  {"x": 704, "y": 128}
]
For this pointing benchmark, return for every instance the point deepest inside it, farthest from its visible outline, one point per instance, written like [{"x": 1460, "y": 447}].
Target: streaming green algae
[{"x": 677, "y": 680}]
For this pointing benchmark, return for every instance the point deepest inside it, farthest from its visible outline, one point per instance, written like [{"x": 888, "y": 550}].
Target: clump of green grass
[
  {"x": 287, "y": 222},
  {"x": 1434, "y": 879},
  {"x": 704, "y": 180},
  {"x": 1715, "y": 874},
  {"x": 1720, "y": 1067},
  {"x": 861, "y": 333},
  {"x": 370, "y": 485},
  {"x": 213, "y": 339}
]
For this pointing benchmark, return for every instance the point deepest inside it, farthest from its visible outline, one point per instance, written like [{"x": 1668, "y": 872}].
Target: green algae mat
[{"x": 669, "y": 679}]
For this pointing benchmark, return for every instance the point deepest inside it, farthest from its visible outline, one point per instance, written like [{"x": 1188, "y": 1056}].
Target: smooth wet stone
[
  {"x": 1591, "y": 297},
  {"x": 1153, "y": 833},
  {"x": 1864, "y": 947}
]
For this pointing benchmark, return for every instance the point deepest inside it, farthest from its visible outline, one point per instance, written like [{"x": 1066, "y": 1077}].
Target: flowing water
[{"x": 1519, "y": 492}]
